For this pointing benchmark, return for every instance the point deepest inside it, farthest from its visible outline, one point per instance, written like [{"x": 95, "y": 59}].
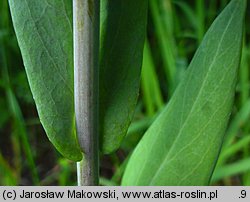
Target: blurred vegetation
[{"x": 175, "y": 29}]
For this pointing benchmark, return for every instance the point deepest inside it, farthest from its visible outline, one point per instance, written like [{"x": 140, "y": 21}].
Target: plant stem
[{"x": 86, "y": 48}]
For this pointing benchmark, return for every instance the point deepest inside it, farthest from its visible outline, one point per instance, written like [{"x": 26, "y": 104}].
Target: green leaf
[
  {"x": 123, "y": 28},
  {"x": 44, "y": 32},
  {"x": 182, "y": 145}
]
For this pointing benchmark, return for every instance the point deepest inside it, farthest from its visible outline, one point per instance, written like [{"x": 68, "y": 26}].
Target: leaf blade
[
  {"x": 44, "y": 32},
  {"x": 123, "y": 29},
  {"x": 186, "y": 138}
]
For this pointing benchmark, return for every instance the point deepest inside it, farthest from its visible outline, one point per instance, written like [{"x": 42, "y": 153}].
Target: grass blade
[{"x": 231, "y": 170}]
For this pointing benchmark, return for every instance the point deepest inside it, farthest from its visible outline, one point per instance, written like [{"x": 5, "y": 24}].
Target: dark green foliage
[{"x": 123, "y": 30}]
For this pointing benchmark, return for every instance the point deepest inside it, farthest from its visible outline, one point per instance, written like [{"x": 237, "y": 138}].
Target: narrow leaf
[
  {"x": 123, "y": 28},
  {"x": 182, "y": 145},
  {"x": 230, "y": 170},
  {"x": 44, "y": 32}
]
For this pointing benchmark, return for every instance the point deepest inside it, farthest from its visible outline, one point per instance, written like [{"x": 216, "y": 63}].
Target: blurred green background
[{"x": 175, "y": 29}]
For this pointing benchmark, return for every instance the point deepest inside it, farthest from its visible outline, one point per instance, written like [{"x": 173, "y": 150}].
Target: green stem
[
  {"x": 200, "y": 9},
  {"x": 165, "y": 44},
  {"x": 86, "y": 48}
]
